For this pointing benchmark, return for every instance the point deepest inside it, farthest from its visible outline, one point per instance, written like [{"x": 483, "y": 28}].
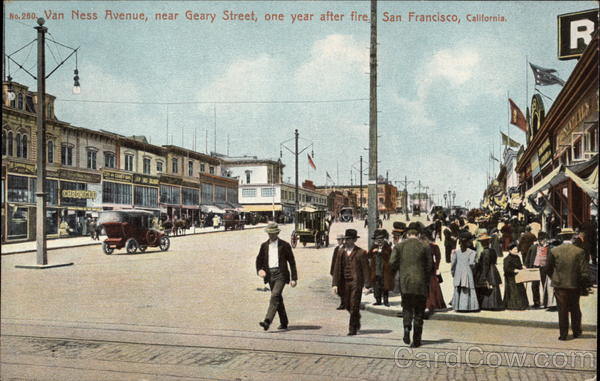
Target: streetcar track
[
  {"x": 275, "y": 351},
  {"x": 279, "y": 339}
]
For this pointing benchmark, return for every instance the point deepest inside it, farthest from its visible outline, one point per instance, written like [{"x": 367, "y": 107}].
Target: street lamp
[
  {"x": 41, "y": 254},
  {"x": 76, "y": 88}
]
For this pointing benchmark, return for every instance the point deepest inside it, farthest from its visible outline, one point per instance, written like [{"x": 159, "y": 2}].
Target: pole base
[{"x": 42, "y": 267}]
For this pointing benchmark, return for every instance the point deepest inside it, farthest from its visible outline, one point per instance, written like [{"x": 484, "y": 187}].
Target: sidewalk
[
  {"x": 529, "y": 318},
  {"x": 63, "y": 243}
]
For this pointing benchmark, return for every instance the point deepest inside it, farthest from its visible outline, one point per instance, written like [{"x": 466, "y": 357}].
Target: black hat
[
  {"x": 465, "y": 235},
  {"x": 416, "y": 226},
  {"x": 351, "y": 234},
  {"x": 399, "y": 227},
  {"x": 380, "y": 234}
]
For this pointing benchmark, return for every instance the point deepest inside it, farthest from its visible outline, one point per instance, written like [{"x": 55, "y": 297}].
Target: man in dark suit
[
  {"x": 568, "y": 269},
  {"x": 334, "y": 258},
  {"x": 525, "y": 241},
  {"x": 272, "y": 265},
  {"x": 350, "y": 275},
  {"x": 415, "y": 262}
]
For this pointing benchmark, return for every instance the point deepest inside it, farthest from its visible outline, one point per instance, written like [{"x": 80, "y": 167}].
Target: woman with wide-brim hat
[{"x": 487, "y": 277}]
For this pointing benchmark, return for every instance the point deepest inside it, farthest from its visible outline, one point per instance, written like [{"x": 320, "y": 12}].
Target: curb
[
  {"x": 100, "y": 242},
  {"x": 474, "y": 318}
]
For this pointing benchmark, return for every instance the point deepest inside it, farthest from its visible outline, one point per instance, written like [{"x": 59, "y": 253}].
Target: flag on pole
[
  {"x": 328, "y": 176},
  {"x": 516, "y": 116},
  {"x": 507, "y": 141},
  {"x": 493, "y": 158},
  {"x": 545, "y": 77},
  {"x": 311, "y": 162}
]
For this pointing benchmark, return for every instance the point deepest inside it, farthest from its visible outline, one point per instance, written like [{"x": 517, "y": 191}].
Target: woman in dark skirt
[
  {"x": 488, "y": 279},
  {"x": 435, "y": 299},
  {"x": 515, "y": 296}
]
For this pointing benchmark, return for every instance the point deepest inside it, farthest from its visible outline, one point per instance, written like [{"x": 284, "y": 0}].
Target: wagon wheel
[
  {"x": 151, "y": 237},
  {"x": 164, "y": 243},
  {"x": 317, "y": 240},
  {"x": 143, "y": 248},
  {"x": 326, "y": 240},
  {"x": 107, "y": 249},
  {"x": 131, "y": 245},
  {"x": 294, "y": 239}
]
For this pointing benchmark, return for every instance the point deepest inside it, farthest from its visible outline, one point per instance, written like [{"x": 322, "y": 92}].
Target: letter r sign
[{"x": 575, "y": 32}]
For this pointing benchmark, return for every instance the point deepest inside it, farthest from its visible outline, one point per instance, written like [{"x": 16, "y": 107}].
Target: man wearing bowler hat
[
  {"x": 272, "y": 265},
  {"x": 568, "y": 269},
  {"x": 350, "y": 275}
]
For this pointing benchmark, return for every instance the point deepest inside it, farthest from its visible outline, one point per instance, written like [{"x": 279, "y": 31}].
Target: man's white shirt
[{"x": 274, "y": 254}]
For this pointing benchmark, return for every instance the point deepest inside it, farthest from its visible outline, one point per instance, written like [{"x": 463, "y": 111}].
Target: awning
[
  {"x": 262, "y": 208},
  {"x": 308, "y": 209},
  {"x": 561, "y": 173},
  {"x": 211, "y": 209}
]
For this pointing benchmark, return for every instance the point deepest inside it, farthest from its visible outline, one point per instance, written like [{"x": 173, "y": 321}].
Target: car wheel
[
  {"x": 164, "y": 243},
  {"x": 317, "y": 240},
  {"x": 143, "y": 248},
  {"x": 107, "y": 249},
  {"x": 131, "y": 245}
]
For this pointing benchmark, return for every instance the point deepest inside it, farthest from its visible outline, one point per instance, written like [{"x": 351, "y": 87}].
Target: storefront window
[
  {"x": 190, "y": 196},
  {"x": 232, "y": 195},
  {"x": 52, "y": 219},
  {"x": 169, "y": 194},
  {"x": 21, "y": 189},
  {"x": 145, "y": 196},
  {"x": 207, "y": 193},
  {"x": 220, "y": 194},
  {"x": 116, "y": 193},
  {"x": 17, "y": 222},
  {"x": 69, "y": 201},
  {"x": 52, "y": 191}
]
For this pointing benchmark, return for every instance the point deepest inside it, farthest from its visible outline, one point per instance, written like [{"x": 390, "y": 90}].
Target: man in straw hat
[
  {"x": 350, "y": 275},
  {"x": 334, "y": 258},
  {"x": 567, "y": 267},
  {"x": 272, "y": 265},
  {"x": 413, "y": 259}
]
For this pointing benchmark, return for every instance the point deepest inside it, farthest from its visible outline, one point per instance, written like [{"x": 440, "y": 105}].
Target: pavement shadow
[
  {"x": 302, "y": 328},
  {"x": 374, "y": 331},
  {"x": 440, "y": 341}
]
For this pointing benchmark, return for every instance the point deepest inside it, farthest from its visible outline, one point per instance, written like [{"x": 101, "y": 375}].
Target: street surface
[{"x": 192, "y": 313}]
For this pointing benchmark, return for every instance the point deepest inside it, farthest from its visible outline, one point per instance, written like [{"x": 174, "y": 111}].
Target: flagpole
[{"x": 508, "y": 121}]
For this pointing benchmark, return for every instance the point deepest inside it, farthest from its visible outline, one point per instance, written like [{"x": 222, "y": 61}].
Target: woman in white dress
[{"x": 463, "y": 264}]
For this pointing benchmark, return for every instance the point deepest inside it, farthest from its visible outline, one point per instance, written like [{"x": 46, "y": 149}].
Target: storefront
[
  {"x": 117, "y": 190},
  {"x": 190, "y": 197},
  {"x": 170, "y": 197},
  {"x": 145, "y": 193}
]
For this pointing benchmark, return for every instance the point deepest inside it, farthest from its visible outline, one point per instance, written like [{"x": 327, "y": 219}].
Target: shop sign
[
  {"x": 146, "y": 180},
  {"x": 190, "y": 185},
  {"x": 81, "y": 177},
  {"x": 21, "y": 168},
  {"x": 535, "y": 164},
  {"x": 580, "y": 114},
  {"x": 52, "y": 174},
  {"x": 118, "y": 176},
  {"x": 575, "y": 32},
  {"x": 71, "y": 193},
  {"x": 170, "y": 180},
  {"x": 545, "y": 153}
]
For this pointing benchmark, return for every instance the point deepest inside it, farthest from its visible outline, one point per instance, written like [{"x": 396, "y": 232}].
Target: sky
[{"x": 442, "y": 87}]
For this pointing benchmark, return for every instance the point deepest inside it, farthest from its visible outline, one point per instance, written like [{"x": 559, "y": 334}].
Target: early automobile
[
  {"x": 132, "y": 230},
  {"x": 311, "y": 225},
  {"x": 232, "y": 220},
  {"x": 347, "y": 214}
]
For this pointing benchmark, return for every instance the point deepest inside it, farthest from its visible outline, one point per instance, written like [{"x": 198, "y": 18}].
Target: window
[
  {"x": 128, "y": 162},
  {"x": 267, "y": 192},
  {"x": 23, "y": 146},
  {"x": 207, "y": 193},
  {"x": 21, "y": 189},
  {"x": 66, "y": 154},
  {"x": 18, "y": 141},
  {"x": 52, "y": 191},
  {"x": 116, "y": 193},
  {"x": 20, "y": 101},
  {"x": 3, "y": 143},
  {"x": 175, "y": 166},
  {"x": 147, "y": 164},
  {"x": 145, "y": 196},
  {"x": 91, "y": 159},
  {"x": 232, "y": 195},
  {"x": 577, "y": 149},
  {"x": 190, "y": 196},
  {"x": 211, "y": 170},
  {"x": 9, "y": 142},
  {"x": 72, "y": 201},
  {"x": 248, "y": 177},
  {"x": 249, "y": 192},
  {"x": 159, "y": 166},
  {"x": 220, "y": 194},
  {"x": 49, "y": 110},
  {"x": 202, "y": 167},
  {"x": 50, "y": 151},
  {"x": 169, "y": 194},
  {"x": 590, "y": 140},
  {"x": 190, "y": 168},
  {"x": 109, "y": 160}
]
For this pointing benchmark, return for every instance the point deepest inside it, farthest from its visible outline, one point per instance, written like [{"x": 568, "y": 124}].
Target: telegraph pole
[
  {"x": 405, "y": 183},
  {"x": 361, "y": 187},
  {"x": 372, "y": 189},
  {"x": 296, "y": 190}
]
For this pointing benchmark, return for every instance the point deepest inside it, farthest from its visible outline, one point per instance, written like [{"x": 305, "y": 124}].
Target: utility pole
[
  {"x": 372, "y": 189},
  {"x": 405, "y": 183},
  {"x": 297, "y": 200},
  {"x": 419, "y": 195},
  {"x": 361, "y": 187}
]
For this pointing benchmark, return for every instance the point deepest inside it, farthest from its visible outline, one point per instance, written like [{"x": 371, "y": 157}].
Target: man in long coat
[
  {"x": 334, "y": 258},
  {"x": 568, "y": 269},
  {"x": 414, "y": 260},
  {"x": 350, "y": 276},
  {"x": 382, "y": 277},
  {"x": 272, "y": 265}
]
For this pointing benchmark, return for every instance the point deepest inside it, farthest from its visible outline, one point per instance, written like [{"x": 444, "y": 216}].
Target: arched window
[
  {"x": 3, "y": 143},
  {"x": 50, "y": 151},
  {"x": 24, "y": 146},
  {"x": 9, "y": 142},
  {"x": 18, "y": 141}
]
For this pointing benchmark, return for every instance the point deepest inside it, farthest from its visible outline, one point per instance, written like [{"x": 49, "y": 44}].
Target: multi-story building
[{"x": 387, "y": 195}]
